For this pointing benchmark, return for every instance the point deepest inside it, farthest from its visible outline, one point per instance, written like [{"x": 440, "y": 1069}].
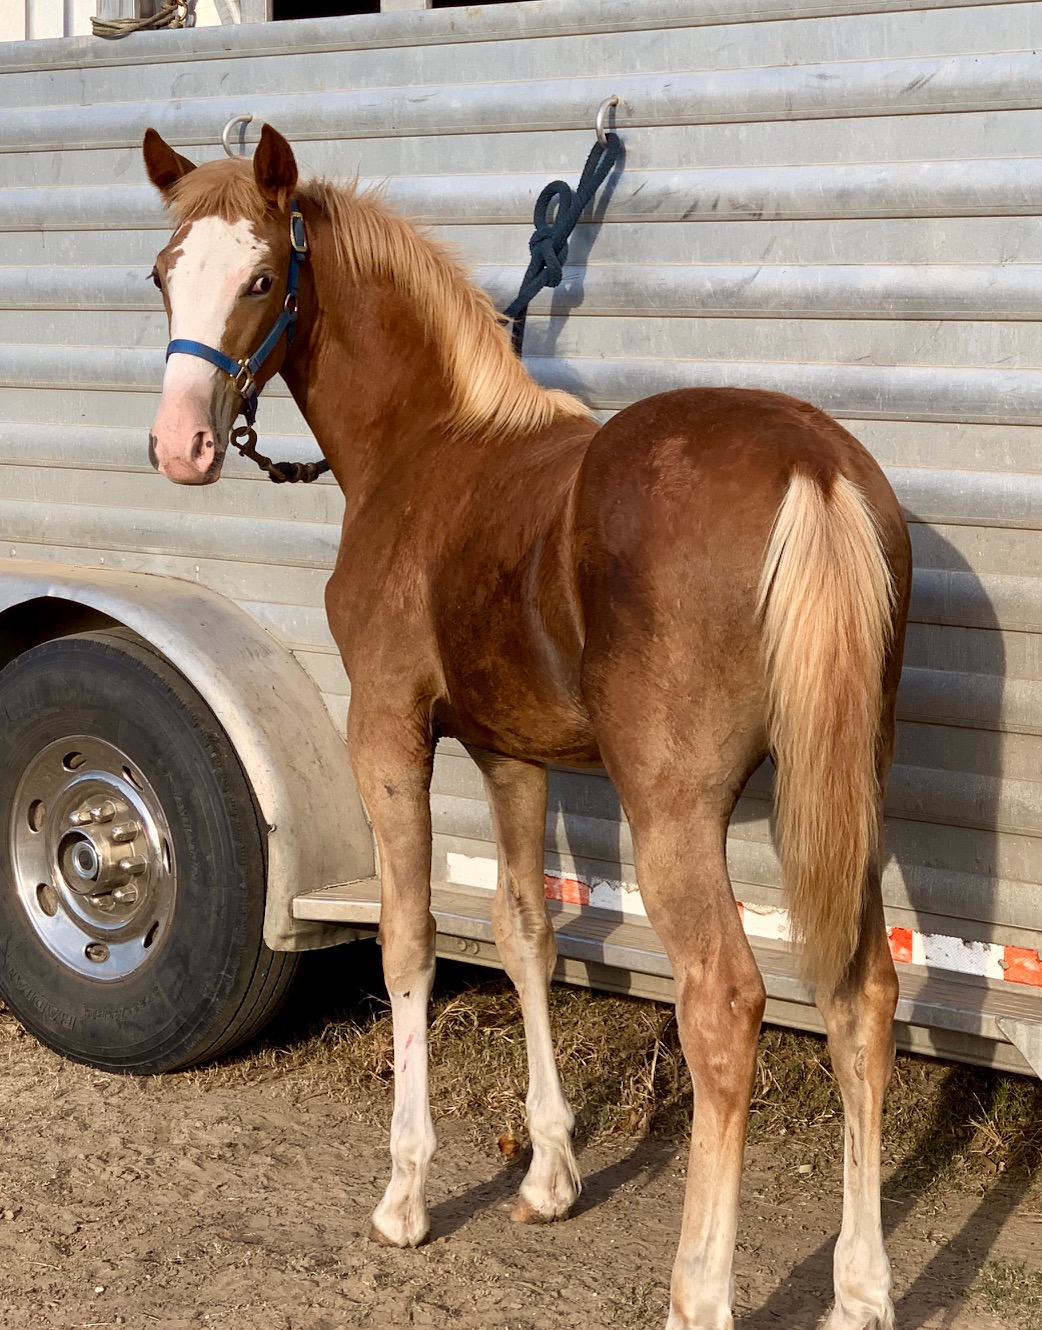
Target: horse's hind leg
[
  {"x": 682, "y": 871},
  {"x": 679, "y": 721},
  {"x": 678, "y": 804},
  {"x": 517, "y": 794},
  {"x": 859, "y": 1018}
]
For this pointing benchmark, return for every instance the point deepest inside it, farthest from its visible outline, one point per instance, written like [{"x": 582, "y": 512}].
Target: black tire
[{"x": 146, "y": 995}]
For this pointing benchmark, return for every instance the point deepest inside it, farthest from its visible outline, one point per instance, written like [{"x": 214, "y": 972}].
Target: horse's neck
[{"x": 365, "y": 377}]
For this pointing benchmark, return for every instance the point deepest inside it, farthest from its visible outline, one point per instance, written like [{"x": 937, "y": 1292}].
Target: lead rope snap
[{"x": 244, "y": 439}]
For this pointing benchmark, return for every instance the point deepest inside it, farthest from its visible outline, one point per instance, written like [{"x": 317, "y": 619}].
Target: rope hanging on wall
[
  {"x": 549, "y": 244},
  {"x": 170, "y": 14}
]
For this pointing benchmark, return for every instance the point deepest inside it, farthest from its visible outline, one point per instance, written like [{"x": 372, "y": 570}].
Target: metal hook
[
  {"x": 227, "y": 131},
  {"x": 602, "y": 112}
]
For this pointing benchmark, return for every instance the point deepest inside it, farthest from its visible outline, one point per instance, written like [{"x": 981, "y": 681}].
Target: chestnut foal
[{"x": 713, "y": 576}]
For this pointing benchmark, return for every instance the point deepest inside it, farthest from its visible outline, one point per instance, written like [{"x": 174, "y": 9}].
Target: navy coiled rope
[{"x": 549, "y": 243}]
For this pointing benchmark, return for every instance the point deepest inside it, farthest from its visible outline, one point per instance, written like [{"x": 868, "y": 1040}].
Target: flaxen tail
[{"x": 827, "y": 608}]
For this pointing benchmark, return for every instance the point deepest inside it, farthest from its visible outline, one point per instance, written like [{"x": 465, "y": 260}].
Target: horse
[{"x": 712, "y": 577}]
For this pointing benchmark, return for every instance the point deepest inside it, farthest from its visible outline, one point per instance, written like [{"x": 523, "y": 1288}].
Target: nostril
[
  {"x": 152, "y": 452},
  {"x": 202, "y": 451}
]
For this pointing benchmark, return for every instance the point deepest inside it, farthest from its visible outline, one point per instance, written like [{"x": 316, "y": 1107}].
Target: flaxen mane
[{"x": 491, "y": 388}]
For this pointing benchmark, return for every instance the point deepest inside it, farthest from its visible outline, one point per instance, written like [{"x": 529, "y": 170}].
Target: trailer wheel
[{"x": 131, "y": 862}]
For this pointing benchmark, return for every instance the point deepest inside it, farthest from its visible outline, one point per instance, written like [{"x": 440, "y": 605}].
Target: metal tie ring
[
  {"x": 602, "y": 112},
  {"x": 226, "y": 133}
]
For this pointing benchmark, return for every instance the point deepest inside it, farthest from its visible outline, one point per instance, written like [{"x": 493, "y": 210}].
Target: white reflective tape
[
  {"x": 468, "y": 870},
  {"x": 962, "y": 956},
  {"x": 935, "y": 951}
]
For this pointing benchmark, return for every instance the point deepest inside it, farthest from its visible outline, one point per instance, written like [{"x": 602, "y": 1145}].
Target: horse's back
[{"x": 739, "y": 443}]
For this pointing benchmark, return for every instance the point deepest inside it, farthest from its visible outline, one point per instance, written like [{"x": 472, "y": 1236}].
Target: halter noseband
[{"x": 243, "y": 372}]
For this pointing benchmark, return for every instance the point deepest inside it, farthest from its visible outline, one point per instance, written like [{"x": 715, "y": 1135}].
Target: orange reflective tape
[
  {"x": 1022, "y": 966},
  {"x": 568, "y": 890},
  {"x": 900, "y": 943}
]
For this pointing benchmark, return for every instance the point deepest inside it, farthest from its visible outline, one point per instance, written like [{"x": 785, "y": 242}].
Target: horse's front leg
[
  {"x": 392, "y": 760},
  {"x": 517, "y": 795}
]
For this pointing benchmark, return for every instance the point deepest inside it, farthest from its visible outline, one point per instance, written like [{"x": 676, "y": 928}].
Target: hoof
[
  {"x": 406, "y": 1241},
  {"x": 524, "y": 1212},
  {"x": 839, "y": 1320}
]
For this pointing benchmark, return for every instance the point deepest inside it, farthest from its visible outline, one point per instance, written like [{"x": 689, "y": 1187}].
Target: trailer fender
[{"x": 272, "y": 712}]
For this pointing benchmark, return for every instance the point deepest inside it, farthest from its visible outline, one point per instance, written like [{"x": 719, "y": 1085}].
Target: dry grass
[
  {"x": 624, "y": 1073},
  {"x": 1012, "y": 1291}
]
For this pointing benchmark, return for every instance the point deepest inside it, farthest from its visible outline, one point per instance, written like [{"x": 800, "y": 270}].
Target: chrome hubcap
[{"x": 93, "y": 858}]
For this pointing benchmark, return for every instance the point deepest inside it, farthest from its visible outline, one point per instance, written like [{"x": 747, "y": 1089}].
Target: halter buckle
[
  {"x": 297, "y": 235},
  {"x": 244, "y": 382}
]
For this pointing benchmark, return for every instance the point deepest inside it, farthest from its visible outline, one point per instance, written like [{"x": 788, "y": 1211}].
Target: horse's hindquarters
[{"x": 675, "y": 505}]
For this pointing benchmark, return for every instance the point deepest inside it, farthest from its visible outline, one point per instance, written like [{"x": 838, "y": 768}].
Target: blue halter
[{"x": 242, "y": 372}]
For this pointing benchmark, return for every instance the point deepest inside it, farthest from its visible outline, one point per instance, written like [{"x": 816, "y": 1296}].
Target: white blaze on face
[{"x": 216, "y": 259}]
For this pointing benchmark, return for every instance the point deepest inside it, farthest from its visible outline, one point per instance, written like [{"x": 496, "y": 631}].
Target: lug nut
[
  {"x": 103, "y": 812},
  {"x": 81, "y": 817},
  {"x": 125, "y": 895},
  {"x": 124, "y": 831},
  {"x": 135, "y": 865}
]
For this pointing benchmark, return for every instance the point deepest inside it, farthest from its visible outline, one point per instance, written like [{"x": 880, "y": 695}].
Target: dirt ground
[{"x": 240, "y": 1197}]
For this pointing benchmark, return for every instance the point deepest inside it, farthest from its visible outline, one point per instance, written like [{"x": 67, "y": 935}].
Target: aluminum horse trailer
[{"x": 835, "y": 198}]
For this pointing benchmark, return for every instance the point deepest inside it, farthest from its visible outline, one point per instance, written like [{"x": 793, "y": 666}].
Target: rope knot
[
  {"x": 548, "y": 246},
  {"x": 549, "y": 243},
  {"x": 552, "y": 254}
]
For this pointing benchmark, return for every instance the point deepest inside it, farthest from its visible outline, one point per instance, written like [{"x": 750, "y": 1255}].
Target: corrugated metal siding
[{"x": 837, "y": 200}]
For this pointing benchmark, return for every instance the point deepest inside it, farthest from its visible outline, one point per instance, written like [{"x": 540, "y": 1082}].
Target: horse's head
[{"x": 224, "y": 278}]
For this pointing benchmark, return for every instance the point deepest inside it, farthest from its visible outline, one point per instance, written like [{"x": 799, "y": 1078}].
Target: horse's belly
[{"x": 519, "y": 724}]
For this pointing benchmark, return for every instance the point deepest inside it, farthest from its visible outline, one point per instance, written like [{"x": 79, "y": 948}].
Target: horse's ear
[
  {"x": 164, "y": 166},
  {"x": 274, "y": 167}
]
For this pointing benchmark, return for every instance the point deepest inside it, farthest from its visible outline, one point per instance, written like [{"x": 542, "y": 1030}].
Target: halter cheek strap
[{"x": 243, "y": 372}]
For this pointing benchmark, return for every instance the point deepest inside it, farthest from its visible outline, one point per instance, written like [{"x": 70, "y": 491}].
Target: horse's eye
[
  {"x": 154, "y": 274},
  {"x": 261, "y": 286}
]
